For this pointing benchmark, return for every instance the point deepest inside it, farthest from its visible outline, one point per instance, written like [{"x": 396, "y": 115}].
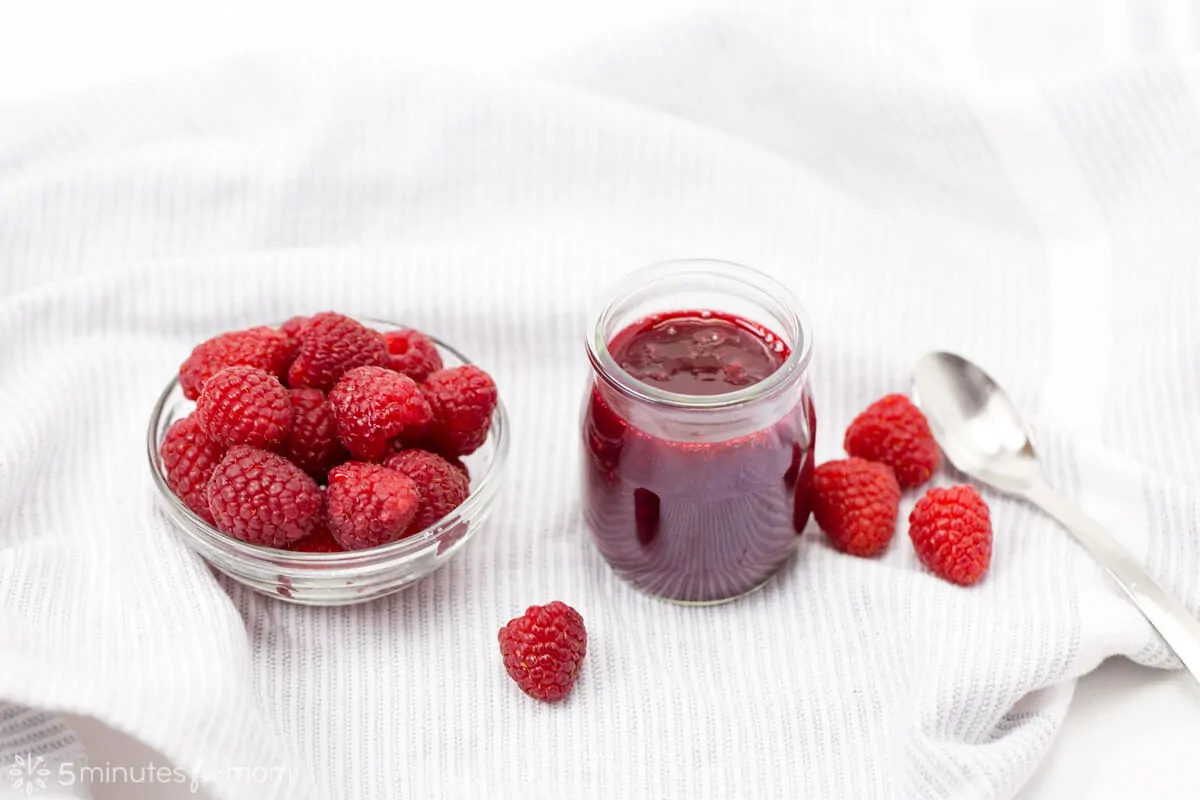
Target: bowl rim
[{"x": 482, "y": 494}]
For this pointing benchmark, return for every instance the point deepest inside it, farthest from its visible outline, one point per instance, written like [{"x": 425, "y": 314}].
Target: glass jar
[{"x": 698, "y": 497}]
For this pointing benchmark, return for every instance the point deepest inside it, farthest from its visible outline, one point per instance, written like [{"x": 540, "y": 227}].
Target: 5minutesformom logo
[{"x": 29, "y": 773}]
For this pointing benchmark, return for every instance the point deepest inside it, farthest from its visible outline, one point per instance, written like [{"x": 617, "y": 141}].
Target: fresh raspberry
[
  {"x": 856, "y": 502},
  {"x": 367, "y": 505},
  {"x": 319, "y": 541},
  {"x": 371, "y": 406},
  {"x": 262, "y": 498},
  {"x": 951, "y": 530},
  {"x": 330, "y": 346},
  {"x": 189, "y": 458},
  {"x": 893, "y": 431},
  {"x": 459, "y": 465},
  {"x": 313, "y": 445},
  {"x": 443, "y": 487},
  {"x": 269, "y": 350},
  {"x": 412, "y": 353},
  {"x": 412, "y": 439},
  {"x": 414, "y": 435},
  {"x": 295, "y": 328},
  {"x": 543, "y": 650},
  {"x": 244, "y": 405},
  {"x": 462, "y": 400}
]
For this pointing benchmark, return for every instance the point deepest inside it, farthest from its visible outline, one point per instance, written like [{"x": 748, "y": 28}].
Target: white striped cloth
[{"x": 1046, "y": 228}]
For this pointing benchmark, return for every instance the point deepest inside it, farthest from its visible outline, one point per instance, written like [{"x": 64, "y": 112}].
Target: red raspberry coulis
[
  {"x": 698, "y": 352},
  {"x": 697, "y": 521}
]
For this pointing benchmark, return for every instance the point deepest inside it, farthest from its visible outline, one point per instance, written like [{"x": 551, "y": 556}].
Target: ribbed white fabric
[{"x": 910, "y": 208}]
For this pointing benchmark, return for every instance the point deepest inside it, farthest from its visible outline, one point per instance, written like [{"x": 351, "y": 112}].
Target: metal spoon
[{"x": 982, "y": 434}]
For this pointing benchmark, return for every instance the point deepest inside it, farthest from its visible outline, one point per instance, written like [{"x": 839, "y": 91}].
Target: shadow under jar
[{"x": 698, "y": 430}]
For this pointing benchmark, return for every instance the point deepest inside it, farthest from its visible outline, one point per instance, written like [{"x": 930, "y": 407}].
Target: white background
[{"x": 1131, "y": 732}]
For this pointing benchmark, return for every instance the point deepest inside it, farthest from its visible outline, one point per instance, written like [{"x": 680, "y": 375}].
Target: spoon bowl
[{"x": 977, "y": 426}]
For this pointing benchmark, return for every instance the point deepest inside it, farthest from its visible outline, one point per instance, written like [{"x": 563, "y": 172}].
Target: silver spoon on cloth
[{"x": 982, "y": 434}]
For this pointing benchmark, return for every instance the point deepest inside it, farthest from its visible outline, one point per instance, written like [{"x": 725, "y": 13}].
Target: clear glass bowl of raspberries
[{"x": 330, "y": 460}]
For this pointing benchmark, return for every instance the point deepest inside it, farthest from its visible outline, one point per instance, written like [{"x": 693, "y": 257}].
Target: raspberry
[
  {"x": 189, "y": 458},
  {"x": 412, "y": 353},
  {"x": 244, "y": 405},
  {"x": 313, "y": 445},
  {"x": 411, "y": 440},
  {"x": 458, "y": 464},
  {"x": 856, "y": 502},
  {"x": 372, "y": 405},
  {"x": 368, "y": 505},
  {"x": 295, "y": 328},
  {"x": 330, "y": 346},
  {"x": 319, "y": 541},
  {"x": 262, "y": 498},
  {"x": 413, "y": 435},
  {"x": 443, "y": 487},
  {"x": 893, "y": 431},
  {"x": 462, "y": 400},
  {"x": 951, "y": 530},
  {"x": 265, "y": 348},
  {"x": 543, "y": 650}
]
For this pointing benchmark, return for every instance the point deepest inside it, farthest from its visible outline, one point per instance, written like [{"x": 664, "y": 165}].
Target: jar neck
[{"x": 717, "y": 286}]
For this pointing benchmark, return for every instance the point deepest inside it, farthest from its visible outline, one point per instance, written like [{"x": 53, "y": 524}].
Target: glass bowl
[{"x": 334, "y": 579}]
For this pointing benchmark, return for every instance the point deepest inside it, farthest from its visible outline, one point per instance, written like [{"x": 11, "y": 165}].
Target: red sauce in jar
[{"x": 697, "y": 521}]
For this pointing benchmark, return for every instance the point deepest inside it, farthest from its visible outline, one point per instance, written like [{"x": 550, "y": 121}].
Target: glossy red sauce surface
[{"x": 698, "y": 352}]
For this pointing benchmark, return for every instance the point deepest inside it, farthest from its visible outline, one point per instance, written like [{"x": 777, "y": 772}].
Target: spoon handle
[{"x": 1171, "y": 618}]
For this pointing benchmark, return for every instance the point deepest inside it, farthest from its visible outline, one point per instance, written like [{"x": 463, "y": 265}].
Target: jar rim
[{"x": 785, "y": 303}]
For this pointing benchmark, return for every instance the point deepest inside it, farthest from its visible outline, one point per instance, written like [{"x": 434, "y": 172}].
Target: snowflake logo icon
[{"x": 29, "y": 774}]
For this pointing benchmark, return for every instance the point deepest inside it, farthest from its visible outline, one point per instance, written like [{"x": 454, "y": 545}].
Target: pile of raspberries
[
  {"x": 856, "y": 500},
  {"x": 325, "y": 435}
]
